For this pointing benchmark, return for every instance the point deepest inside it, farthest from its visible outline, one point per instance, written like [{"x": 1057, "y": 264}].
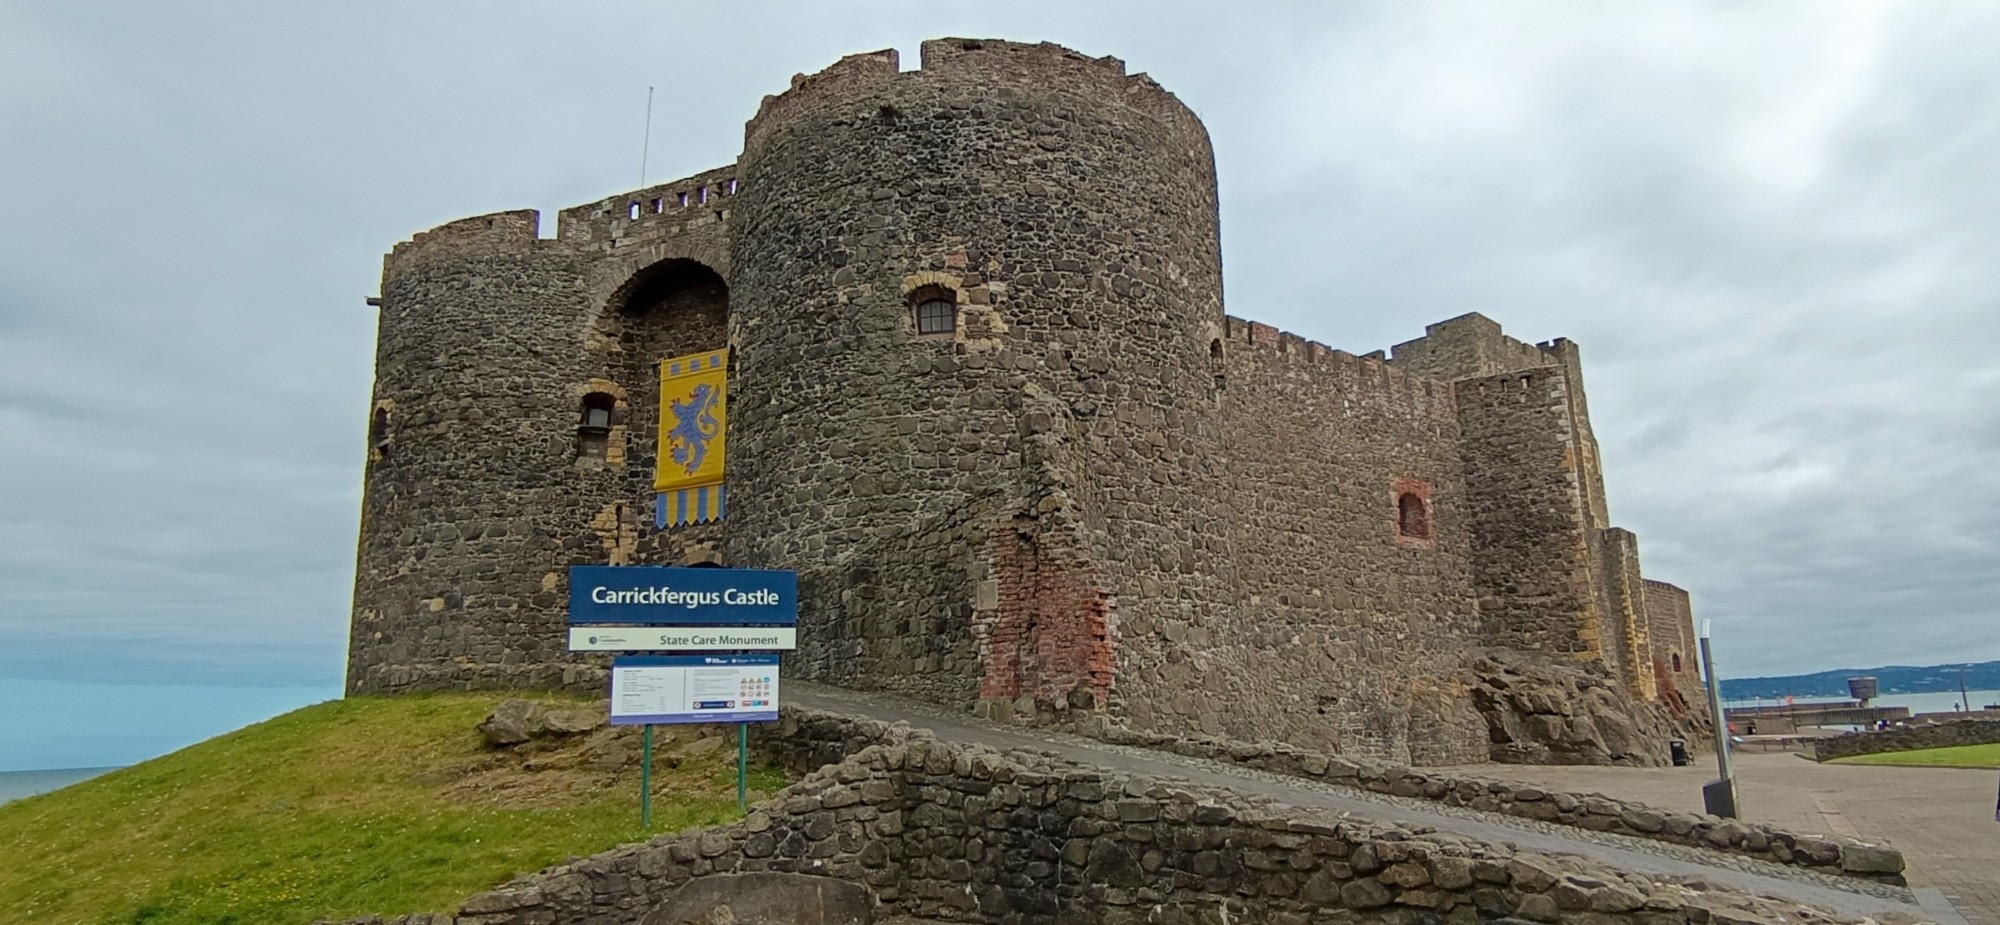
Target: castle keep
[{"x": 985, "y": 400}]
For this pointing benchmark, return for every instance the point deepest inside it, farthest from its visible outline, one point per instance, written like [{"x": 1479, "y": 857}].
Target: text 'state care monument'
[{"x": 982, "y": 395}]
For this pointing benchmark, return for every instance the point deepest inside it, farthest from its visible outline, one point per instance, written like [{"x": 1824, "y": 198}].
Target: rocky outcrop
[
  {"x": 516, "y": 721},
  {"x": 1539, "y": 712}
]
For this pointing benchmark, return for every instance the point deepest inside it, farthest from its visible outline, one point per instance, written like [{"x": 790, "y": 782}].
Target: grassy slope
[
  {"x": 322, "y": 812},
  {"x": 1957, "y": 756}
]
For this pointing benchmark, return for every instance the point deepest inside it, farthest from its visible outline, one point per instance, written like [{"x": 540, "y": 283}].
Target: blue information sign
[
  {"x": 694, "y": 689},
  {"x": 655, "y": 595}
]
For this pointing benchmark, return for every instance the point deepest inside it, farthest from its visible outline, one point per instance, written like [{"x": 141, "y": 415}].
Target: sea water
[
  {"x": 1934, "y": 702},
  {"x": 15, "y": 785}
]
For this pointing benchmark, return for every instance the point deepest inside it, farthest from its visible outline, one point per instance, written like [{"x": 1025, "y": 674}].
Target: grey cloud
[{"x": 1769, "y": 227}]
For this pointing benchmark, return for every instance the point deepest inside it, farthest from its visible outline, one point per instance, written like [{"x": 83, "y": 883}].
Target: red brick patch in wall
[
  {"x": 1413, "y": 522},
  {"x": 1052, "y": 635},
  {"x": 1663, "y": 681}
]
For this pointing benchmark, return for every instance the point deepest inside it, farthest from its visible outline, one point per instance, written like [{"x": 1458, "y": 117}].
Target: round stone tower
[
  {"x": 514, "y": 431},
  {"x": 975, "y": 330},
  {"x": 468, "y": 431},
  {"x": 976, "y": 310}
]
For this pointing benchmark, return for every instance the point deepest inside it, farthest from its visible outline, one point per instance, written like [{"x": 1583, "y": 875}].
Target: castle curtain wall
[{"x": 1348, "y": 634}]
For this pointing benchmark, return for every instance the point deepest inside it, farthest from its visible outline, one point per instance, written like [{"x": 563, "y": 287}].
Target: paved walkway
[
  {"x": 1619, "y": 851},
  {"x": 1941, "y": 818}
]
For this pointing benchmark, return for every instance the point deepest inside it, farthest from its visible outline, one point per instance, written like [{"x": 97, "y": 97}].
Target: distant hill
[{"x": 1894, "y": 679}]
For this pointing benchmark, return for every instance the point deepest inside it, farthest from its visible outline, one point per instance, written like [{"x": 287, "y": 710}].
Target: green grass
[
  {"x": 333, "y": 811},
  {"x": 1957, "y": 756}
]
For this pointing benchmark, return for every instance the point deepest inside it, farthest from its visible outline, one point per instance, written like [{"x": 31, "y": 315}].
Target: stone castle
[{"x": 986, "y": 402}]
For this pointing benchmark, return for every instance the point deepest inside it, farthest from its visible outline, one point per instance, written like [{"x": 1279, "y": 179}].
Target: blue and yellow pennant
[{"x": 694, "y": 421}]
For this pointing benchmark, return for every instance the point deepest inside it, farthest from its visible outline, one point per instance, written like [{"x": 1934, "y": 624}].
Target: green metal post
[
  {"x": 742, "y": 766},
  {"x": 646, "y": 780}
]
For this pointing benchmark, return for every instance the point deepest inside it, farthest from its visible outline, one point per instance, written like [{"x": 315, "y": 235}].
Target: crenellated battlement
[
  {"x": 492, "y": 234},
  {"x": 671, "y": 207},
  {"x": 1046, "y": 66},
  {"x": 851, "y": 77},
  {"x": 1366, "y": 377},
  {"x": 1471, "y": 345},
  {"x": 985, "y": 63}
]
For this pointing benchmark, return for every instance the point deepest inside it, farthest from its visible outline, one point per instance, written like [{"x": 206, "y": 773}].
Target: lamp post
[{"x": 1719, "y": 796}]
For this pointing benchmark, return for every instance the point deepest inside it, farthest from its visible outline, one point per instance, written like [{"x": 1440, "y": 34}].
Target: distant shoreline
[{"x": 18, "y": 785}]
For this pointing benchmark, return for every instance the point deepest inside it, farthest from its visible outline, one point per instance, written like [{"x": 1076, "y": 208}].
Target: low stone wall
[
  {"x": 1989, "y": 714},
  {"x": 1824, "y": 853},
  {"x": 967, "y": 834},
  {"x": 1980, "y": 731},
  {"x": 808, "y": 739},
  {"x": 803, "y": 741}
]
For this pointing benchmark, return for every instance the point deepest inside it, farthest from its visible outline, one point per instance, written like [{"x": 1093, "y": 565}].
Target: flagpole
[{"x": 646, "y": 147}]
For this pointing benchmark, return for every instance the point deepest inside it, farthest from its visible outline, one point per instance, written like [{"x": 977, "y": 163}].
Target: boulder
[
  {"x": 516, "y": 721},
  {"x": 510, "y": 723},
  {"x": 1870, "y": 859}
]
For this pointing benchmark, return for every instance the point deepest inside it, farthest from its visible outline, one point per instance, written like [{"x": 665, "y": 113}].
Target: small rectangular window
[{"x": 936, "y": 316}]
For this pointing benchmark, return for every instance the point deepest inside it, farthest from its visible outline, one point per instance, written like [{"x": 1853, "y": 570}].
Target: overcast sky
[{"x": 1772, "y": 228}]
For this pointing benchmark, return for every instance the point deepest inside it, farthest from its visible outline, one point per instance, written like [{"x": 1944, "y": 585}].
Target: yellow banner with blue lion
[{"x": 694, "y": 421}]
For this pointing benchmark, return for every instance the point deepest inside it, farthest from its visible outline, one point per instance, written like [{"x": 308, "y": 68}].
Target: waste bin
[{"x": 1678, "y": 748}]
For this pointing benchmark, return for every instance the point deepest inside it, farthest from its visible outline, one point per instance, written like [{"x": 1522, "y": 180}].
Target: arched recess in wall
[
  {"x": 1413, "y": 516},
  {"x": 668, "y": 309}
]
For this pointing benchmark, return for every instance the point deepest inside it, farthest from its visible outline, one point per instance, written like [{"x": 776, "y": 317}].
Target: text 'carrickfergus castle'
[{"x": 984, "y": 399}]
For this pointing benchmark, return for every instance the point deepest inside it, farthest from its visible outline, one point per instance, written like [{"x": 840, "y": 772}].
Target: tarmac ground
[{"x": 1943, "y": 819}]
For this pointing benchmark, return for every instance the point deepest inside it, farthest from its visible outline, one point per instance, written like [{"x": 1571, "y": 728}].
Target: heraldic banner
[{"x": 693, "y": 419}]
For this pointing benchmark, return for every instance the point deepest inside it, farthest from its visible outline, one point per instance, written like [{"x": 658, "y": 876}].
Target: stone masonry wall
[
  {"x": 1676, "y": 656},
  {"x": 1466, "y": 347},
  {"x": 1009, "y": 499},
  {"x": 1351, "y": 631},
  {"x": 1831, "y": 854},
  {"x": 1530, "y": 557},
  {"x": 805, "y": 740},
  {"x": 968, "y": 834},
  {"x": 450, "y": 568},
  {"x": 1622, "y": 604},
  {"x": 1980, "y": 731},
  {"x": 1096, "y": 493},
  {"x": 480, "y": 491},
  {"x": 1592, "y": 606}
]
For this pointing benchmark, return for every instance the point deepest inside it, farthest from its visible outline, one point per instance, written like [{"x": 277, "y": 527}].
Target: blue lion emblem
[{"x": 694, "y": 426}]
